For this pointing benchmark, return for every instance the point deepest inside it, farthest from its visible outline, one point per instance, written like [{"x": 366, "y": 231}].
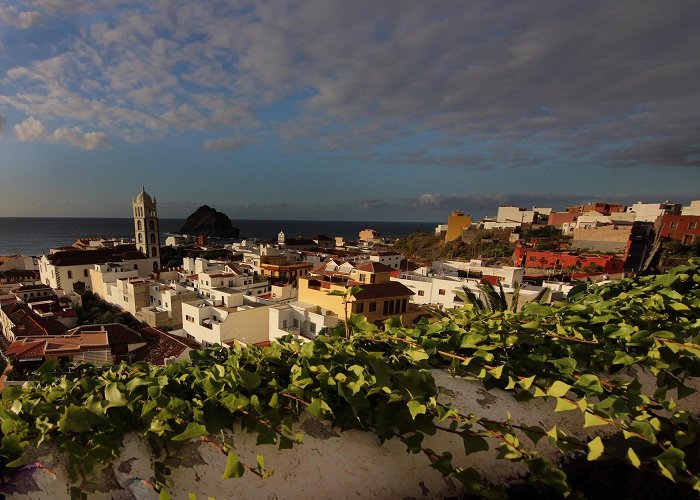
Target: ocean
[{"x": 35, "y": 235}]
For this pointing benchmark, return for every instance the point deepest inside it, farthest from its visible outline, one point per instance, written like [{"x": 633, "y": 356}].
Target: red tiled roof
[
  {"x": 20, "y": 349},
  {"x": 161, "y": 345},
  {"x": 116, "y": 333},
  {"x": 374, "y": 267},
  {"x": 118, "y": 253}
]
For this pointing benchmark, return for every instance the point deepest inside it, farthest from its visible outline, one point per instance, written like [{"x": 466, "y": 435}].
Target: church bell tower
[{"x": 146, "y": 233}]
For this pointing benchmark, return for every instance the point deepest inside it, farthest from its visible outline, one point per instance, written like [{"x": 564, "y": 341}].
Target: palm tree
[
  {"x": 347, "y": 296},
  {"x": 490, "y": 300}
]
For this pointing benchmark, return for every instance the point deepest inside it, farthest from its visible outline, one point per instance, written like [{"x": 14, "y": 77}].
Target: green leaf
[
  {"x": 114, "y": 396},
  {"x": 416, "y": 407},
  {"x": 595, "y": 448},
  {"x": 249, "y": 380},
  {"x": 558, "y": 389},
  {"x": 633, "y": 458},
  {"x": 74, "y": 419},
  {"x": 592, "y": 420},
  {"x": 473, "y": 444},
  {"x": 234, "y": 468},
  {"x": 589, "y": 384},
  {"x": 192, "y": 431},
  {"x": 416, "y": 355}
]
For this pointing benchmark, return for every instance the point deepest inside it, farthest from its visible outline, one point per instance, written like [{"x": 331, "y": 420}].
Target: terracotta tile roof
[
  {"x": 118, "y": 253},
  {"x": 116, "y": 333},
  {"x": 374, "y": 267},
  {"x": 22, "y": 349},
  {"x": 29, "y": 324},
  {"x": 379, "y": 290},
  {"x": 161, "y": 345}
]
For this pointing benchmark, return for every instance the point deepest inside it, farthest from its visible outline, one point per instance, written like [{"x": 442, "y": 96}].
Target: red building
[
  {"x": 557, "y": 219},
  {"x": 545, "y": 259},
  {"x": 682, "y": 228}
]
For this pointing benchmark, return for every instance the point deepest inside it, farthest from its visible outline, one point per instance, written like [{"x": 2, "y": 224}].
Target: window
[
  {"x": 154, "y": 252},
  {"x": 362, "y": 277},
  {"x": 692, "y": 225},
  {"x": 140, "y": 238},
  {"x": 189, "y": 318},
  {"x": 372, "y": 306},
  {"x": 138, "y": 225},
  {"x": 70, "y": 274},
  {"x": 360, "y": 307},
  {"x": 295, "y": 323},
  {"x": 441, "y": 291},
  {"x": 85, "y": 273},
  {"x": 153, "y": 238},
  {"x": 151, "y": 225},
  {"x": 136, "y": 267},
  {"x": 312, "y": 327},
  {"x": 284, "y": 324},
  {"x": 674, "y": 225},
  {"x": 421, "y": 293}
]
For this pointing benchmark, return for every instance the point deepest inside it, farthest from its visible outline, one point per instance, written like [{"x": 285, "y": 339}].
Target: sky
[{"x": 337, "y": 110}]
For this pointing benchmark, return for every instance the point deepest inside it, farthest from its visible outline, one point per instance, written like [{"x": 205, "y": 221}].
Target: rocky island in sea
[{"x": 210, "y": 222}]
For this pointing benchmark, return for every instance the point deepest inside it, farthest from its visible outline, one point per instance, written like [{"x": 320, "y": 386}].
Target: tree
[{"x": 347, "y": 296}]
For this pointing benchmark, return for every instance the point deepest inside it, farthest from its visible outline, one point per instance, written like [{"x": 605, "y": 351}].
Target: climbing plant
[{"x": 589, "y": 354}]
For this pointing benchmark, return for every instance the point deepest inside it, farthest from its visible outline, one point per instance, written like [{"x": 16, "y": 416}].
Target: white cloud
[
  {"x": 83, "y": 140},
  {"x": 362, "y": 77},
  {"x": 19, "y": 19},
  {"x": 30, "y": 130},
  {"x": 33, "y": 129}
]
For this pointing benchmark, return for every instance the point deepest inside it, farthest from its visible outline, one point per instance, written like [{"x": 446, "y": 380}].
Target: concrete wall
[{"x": 329, "y": 463}]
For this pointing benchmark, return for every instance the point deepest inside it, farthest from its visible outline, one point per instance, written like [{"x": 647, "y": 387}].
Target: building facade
[{"x": 146, "y": 231}]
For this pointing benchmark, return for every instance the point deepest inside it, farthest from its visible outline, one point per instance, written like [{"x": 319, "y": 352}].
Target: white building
[
  {"x": 388, "y": 258},
  {"x": 511, "y": 214},
  {"x": 209, "y": 324},
  {"x": 649, "y": 212},
  {"x": 299, "y": 318},
  {"x": 66, "y": 268},
  {"x": 508, "y": 275},
  {"x": 692, "y": 209}
]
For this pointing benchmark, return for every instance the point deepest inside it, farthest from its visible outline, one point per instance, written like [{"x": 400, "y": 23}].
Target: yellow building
[
  {"x": 456, "y": 223},
  {"x": 376, "y": 301}
]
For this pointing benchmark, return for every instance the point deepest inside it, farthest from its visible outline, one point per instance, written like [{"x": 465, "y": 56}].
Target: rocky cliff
[{"x": 208, "y": 221}]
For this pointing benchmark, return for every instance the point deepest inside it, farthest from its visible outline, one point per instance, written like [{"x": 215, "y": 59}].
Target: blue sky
[{"x": 399, "y": 110}]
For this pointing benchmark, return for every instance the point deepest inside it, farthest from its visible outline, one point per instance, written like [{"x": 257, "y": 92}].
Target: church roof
[{"x": 143, "y": 196}]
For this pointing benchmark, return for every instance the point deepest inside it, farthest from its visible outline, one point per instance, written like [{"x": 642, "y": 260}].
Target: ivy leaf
[
  {"x": 558, "y": 389},
  {"x": 473, "y": 444},
  {"x": 416, "y": 408},
  {"x": 589, "y": 384},
  {"x": 416, "y": 355},
  {"x": 633, "y": 458},
  {"x": 114, "y": 396},
  {"x": 595, "y": 448},
  {"x": 192, "y": 431},
  {"x": 592, "y": 420},
  {"x": 249, "y": 380},
  {"x": 234, "y": 468}
]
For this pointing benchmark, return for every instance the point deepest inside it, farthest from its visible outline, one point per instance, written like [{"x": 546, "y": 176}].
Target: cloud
[
  {"x": 76, "y": 137},
  {"x": 33, "y": 129},
  {"x": 30, "y": 130},
  {"x": 513, "y": 84},
  {"x": 3, "y": 122},
  {"x": 19, "y": 19}
]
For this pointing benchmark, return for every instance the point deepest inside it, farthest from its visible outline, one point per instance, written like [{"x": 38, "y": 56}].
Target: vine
[{"x": 592, "y": 354}]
